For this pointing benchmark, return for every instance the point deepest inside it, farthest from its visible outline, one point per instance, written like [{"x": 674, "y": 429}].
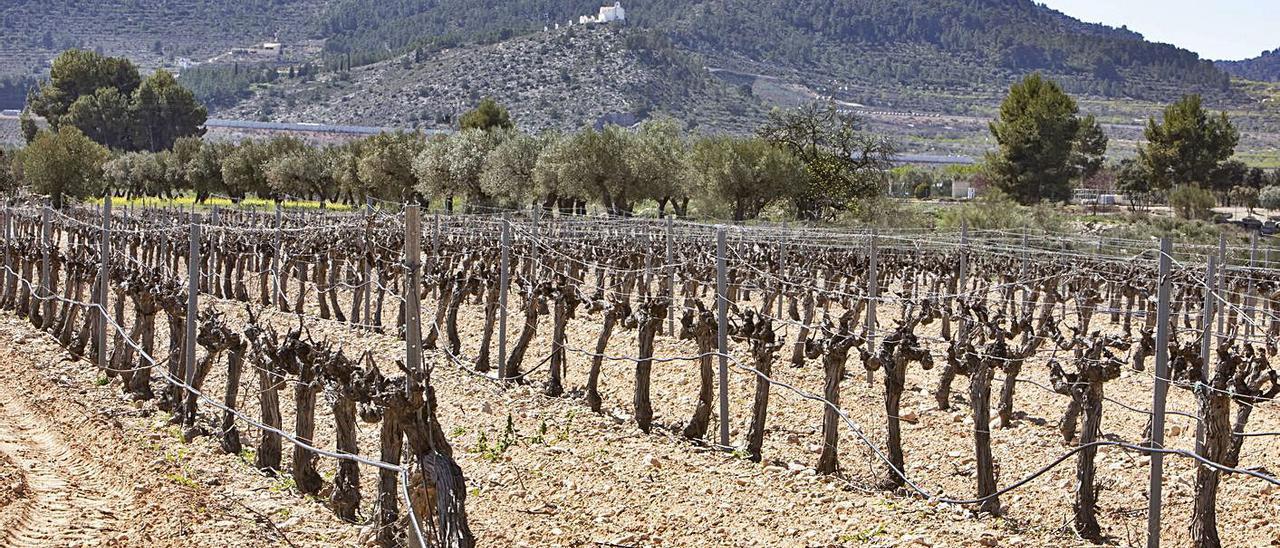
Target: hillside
[
  {"x": 1263, "y": 68},
  {"x": 929, "y": 72},
  {"x": 151, "y": 32},
  {"x": 950, "y": 44},
  {"x": 560, "y": 79}
]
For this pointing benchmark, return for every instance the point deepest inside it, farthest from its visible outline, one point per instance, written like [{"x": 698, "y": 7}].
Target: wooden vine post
[{"x": 413, "y": 315}]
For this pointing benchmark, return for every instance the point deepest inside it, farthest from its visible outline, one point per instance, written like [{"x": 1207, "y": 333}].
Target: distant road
[
  {"x": 302, "y": 127},
  {"x": 934, "y": 159}
]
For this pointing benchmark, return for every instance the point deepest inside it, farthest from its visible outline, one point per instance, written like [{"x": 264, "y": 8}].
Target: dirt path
[
  {"x": 80, "y": 466},
  {"x": 67, "y": 501}
]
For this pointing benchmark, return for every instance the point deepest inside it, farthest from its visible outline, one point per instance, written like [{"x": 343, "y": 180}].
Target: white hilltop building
[{"x": 607, "y": 14}]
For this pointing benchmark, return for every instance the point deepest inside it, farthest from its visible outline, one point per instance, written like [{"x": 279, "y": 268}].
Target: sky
[{"x": 1216, "y": 29}]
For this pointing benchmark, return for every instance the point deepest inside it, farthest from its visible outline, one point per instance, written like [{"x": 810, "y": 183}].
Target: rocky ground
[{"x": 547, "y": 472}]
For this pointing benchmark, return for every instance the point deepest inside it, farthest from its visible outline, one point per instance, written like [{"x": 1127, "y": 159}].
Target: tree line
[{"x": 813, "y": 162}]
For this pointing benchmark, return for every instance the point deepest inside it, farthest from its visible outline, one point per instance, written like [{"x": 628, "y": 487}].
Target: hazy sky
[{"x": 1216, "y": 29}]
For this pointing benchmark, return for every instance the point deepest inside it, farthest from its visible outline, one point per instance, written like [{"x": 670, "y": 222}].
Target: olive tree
[
  {"x": 592, "y": 164},
  {"x": 386, "y": 165},
  {"x": 747, "y": 174},
  {"x": 63, "y": 164},
  {"x": 299, "y": 173},
  {"x": 508, "y": 173},
  {"x": 657, "y": 160},
  {"x": 450, "y": 167}
]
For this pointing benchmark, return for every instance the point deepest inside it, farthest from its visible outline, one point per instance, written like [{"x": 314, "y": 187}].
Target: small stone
[{"x": 652, "y": 461}]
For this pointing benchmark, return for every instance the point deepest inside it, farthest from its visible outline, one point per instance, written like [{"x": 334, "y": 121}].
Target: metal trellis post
[
  {"x": 366, "y": 265},
  {"x": 193, "y": 317},
  {"x": 1159, "y": 393},
  {"x": 46, "y": 272},
  {"x": 104, "y": 282},
  {"x": 873, "y": 291},
  {"x": 671, "y": 282},
  {"x": 1222, "y": 276},
  {"x": 722, "y": 333},
  {"x": 1249, "y": 296},
  {"x": 782, "y": 267},
  {"x": 504, "y": 283},
  {"x": 277, "y": 265},
  {"x": 1206, "y": 338}
]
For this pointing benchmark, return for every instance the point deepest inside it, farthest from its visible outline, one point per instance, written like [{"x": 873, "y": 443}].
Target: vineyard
[{"x": 1009, "y": 380}]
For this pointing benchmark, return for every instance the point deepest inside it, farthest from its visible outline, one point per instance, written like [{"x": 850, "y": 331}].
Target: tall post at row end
[
  {"x": 1159, "y": 393},
  {"x": 413, "y": 327},
  {"x": 722, "y": 333}
]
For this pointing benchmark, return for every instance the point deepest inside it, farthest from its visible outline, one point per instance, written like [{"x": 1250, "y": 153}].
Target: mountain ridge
[{"x": 1263, "y": 68}]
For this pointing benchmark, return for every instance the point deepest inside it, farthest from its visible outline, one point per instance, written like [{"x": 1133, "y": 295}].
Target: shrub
[
  {"x": 1269, "y": 198},
  {"x": 922, "y": 190},
  {"x": 885, "y": 212},
  {"x": 1191, "y": 202},
  {"x": 996, "y": 210}
]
